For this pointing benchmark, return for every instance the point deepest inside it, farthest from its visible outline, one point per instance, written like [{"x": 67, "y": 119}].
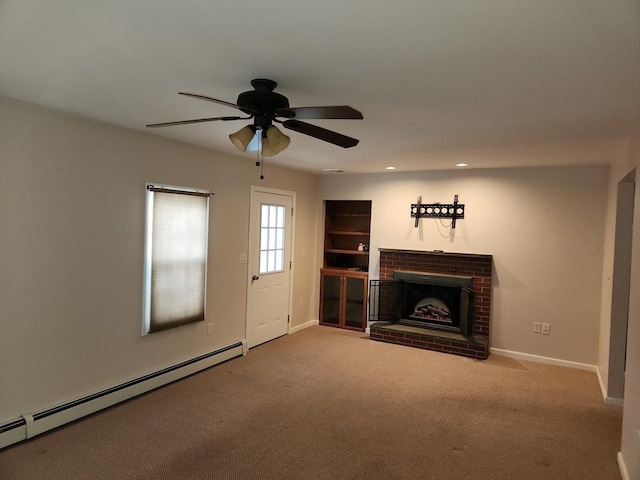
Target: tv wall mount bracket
[{"x": 454, "y": 211}]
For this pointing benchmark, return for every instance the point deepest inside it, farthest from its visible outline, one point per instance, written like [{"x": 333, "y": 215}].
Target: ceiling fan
[{"x": 265, "y": 107}]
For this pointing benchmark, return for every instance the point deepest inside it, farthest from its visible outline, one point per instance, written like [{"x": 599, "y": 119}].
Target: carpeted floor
[{"x": 330, "y": 404}]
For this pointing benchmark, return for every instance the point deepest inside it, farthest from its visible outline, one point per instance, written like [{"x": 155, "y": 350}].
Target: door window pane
[{"x": 272, "y": 221}]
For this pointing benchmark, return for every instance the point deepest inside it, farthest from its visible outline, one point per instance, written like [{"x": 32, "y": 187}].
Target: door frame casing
[
  {"x": 621, "y": 279},
  {"x": 275, "y": 191}
]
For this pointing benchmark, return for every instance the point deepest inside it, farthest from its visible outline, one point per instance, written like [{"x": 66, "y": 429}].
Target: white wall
[
  {"x": 628, "y": 160},
  {"x": 544, "y": 228},
  {"x": 71, "y": 250}
]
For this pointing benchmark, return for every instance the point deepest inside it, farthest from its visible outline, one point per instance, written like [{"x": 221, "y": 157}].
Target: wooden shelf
[
  {"x": 340, "y": 270},
  {"x": 349, "y": 214},
  {"x": 348, "y": 232},
  {"x": 345, "y": 252}
]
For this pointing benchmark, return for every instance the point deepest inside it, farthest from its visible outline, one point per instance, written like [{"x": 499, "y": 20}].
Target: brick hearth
[{"x": 474, "y": 265}]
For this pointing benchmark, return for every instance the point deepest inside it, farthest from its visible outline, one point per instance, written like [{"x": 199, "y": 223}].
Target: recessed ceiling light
[
  {"x": 390, "y": 167},
  {"x": 462, "y": 164}
]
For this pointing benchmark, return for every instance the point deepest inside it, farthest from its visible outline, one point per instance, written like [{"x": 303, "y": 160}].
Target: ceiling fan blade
[
  {"x": 222, "y": 102},
  {"x": 336, "y": 111},
  {"x": 320, "y": 133},
  {"x": 197, "y": 120}
]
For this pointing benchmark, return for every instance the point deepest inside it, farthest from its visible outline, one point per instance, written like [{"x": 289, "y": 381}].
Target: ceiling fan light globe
[
  {"x": 278, "y": 141},
  {"x": 267, "y": 149},
  {"x": 242, "y": 138}
]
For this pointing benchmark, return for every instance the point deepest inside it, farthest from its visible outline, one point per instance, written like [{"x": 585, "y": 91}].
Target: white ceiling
[{"x": 492, "y": 82}]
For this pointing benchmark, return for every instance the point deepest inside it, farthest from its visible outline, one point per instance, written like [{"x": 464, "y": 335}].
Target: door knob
[{"x": 254, "y": 278}]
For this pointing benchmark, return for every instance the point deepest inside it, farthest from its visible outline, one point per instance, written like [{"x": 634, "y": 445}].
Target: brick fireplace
[{"x": 473, "y": 273}]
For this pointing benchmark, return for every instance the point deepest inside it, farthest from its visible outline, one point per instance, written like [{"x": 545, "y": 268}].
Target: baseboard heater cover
[{"x": 30, "y": 425}]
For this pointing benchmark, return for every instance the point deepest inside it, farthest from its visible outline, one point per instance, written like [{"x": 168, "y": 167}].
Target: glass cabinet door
[
  {"x": 331, "y": 299},
  {"x": 355, "y": 296}
]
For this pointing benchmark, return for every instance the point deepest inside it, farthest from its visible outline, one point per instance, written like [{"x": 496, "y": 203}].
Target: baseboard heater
[{"x": 30, "y": 425}]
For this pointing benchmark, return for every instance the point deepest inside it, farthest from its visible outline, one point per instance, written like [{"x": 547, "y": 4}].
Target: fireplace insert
[{"x": 426, "y": 300}]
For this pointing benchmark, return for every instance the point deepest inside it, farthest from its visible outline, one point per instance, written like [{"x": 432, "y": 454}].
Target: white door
[{"x": 269, "y": 266}]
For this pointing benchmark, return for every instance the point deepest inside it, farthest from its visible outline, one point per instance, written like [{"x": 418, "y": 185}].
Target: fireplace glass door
[{"x": 436, "y": 304}]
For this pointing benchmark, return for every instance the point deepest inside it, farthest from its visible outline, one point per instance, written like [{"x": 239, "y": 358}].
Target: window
[
  {"x": 175, "y": 263},
  {"x": 271, "y": 238}
]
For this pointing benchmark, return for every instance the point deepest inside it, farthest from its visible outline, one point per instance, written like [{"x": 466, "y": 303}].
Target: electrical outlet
[
  {"x": 301, "y": 301},
  {"x": 546, "y": 329},
  {"x": 537, "y": 327},
  {"x": 209, "y": 328}
]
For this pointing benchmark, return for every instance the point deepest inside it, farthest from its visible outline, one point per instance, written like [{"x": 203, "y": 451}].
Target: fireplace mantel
[
  {"x": 477, "y": 266},
  {"x": 437, "y": 252}
]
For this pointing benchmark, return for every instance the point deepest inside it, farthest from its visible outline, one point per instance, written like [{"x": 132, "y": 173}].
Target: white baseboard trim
[
  {"x": 32, "y": 424},
  {"x": 623, "y": 467},
  {"x": 540, "y": 359},
  {"x": 603, "y": 389},
  {"x": 616, "y": 402},
  {"x": 302, "y": 326}
]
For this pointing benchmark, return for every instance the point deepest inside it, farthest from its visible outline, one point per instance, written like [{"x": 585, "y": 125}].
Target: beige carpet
[{"x": 330, "y": 404}]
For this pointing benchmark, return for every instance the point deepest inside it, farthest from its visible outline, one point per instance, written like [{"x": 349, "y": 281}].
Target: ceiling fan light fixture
[
  {"x": 277, "y": 140},
  {"x": 242, "y": 138},
  {"x": 267, "y": 148}
]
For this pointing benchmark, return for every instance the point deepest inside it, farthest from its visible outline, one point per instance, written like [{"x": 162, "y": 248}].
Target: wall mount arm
[{"x": 453, "y": 210}]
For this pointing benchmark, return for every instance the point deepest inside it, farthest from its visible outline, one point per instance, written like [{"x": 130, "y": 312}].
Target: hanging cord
[{"x": 259, "y": 156}]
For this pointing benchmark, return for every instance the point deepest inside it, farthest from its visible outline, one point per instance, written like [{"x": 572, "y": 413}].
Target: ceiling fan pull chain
[{"x": 260, "y": 156}]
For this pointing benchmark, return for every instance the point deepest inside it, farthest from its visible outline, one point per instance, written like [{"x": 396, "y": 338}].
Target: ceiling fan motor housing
[{"x": 263, "y": 99}]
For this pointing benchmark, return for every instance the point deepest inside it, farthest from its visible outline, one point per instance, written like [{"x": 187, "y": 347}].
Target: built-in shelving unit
[
  {"x": 344, "y": 278},
  {"x": 347, "y": 225}
]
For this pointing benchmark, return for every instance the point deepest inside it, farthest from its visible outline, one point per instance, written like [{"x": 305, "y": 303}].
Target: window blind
[{"x": 177, "y": 242}]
